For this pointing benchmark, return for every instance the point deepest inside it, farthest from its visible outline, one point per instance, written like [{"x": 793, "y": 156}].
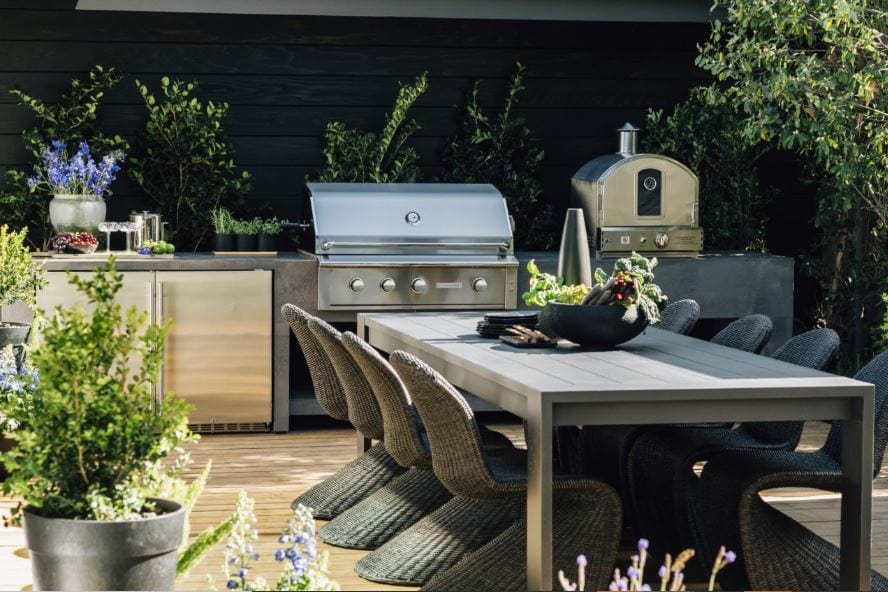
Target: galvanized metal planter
[
  {"x": 95, "y": 555},
  {"x": 13, "y": 333}
]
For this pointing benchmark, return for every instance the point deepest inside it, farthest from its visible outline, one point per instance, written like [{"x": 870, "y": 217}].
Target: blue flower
[
  {"x": 643, "y": 544},
  {"x": 582, "y": 561},
  {"x": 231, "y": 585},
  {"x": 730, "y": 557},
  {"x": 58, "y": 145},
  {"x": 242, "y": 572}
]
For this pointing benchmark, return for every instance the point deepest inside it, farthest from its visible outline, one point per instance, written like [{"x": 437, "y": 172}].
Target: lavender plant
[
  {"x": 671, "y": 572},
  {"x": 304, "y": 567},
  {"x": 17, "y": 387},
  {"x": 74, "y": 174}
]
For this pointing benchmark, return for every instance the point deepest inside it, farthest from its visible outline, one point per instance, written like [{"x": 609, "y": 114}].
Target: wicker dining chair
[
  {"x": 367, "y": 473},
  {"x": 750, "y": 333},
  {"x": 589, "y": 513},
  {"x": 680, "y": 316},
  {"x": 604, "y": 450},
  {"x": 660, "y": 466},
  {"x": 408, "y": 497},
  {"x": 776, "y": 552}
]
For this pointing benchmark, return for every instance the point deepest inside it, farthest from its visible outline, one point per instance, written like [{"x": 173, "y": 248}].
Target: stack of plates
[{"x": 496, "y": 323}]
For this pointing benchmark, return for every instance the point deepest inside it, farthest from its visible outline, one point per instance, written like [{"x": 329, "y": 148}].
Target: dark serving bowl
[{"x": 590, "y": 325}]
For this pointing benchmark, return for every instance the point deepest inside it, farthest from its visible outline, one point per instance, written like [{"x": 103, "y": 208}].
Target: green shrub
[
  {"x": 502, "y": 151},
  {"x": 353, "y": 156},
  {"x": 185, "y": 162},
  {"x": 96, "y": 436},
  {"x": 706, "y": 138},
  {"x": 222, "y": 221},
  {"x": 810, "y": 76},
  {"x": 72, "y": 119},
  {"x": 19, "y": 278}
]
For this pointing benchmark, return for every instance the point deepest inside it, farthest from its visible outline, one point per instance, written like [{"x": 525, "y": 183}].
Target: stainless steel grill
[{"x": 412, "y": 246}]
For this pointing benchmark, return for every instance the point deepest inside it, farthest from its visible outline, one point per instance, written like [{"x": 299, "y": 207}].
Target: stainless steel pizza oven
[
  {"x": 639, "y": 202},
  {"x": 412, "y": 246}
]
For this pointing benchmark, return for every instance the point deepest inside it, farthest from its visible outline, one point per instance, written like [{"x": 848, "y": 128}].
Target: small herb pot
[
  {"x": 224, "y": 242},
  {"x": 246, "y": 242},
  {"x": 267, "y": 242}
]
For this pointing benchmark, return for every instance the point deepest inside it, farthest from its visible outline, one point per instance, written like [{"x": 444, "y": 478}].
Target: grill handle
[{"x": 327, "y": 245}]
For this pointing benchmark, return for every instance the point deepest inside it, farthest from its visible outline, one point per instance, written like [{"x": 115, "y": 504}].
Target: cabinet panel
[
  {"x": 135, "y": 291},
  {"x": 218, "y": 354}
]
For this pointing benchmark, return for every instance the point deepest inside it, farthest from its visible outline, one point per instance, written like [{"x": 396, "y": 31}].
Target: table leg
[
  {"x": 539, "y": 497},
  {"x": 364, "y": 444},
  {"x": 856, "y": 529}
]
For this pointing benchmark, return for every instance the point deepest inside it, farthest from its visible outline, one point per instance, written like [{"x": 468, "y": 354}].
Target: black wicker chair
[
  {"x": 604, "y": 451},
  {"x": 776, "y": 551},
  {"x": 360, "y": 477},
  {"x": 750, "y": 333},
  {"x": 680, "y": 316},
  {"x": 589, "y": 514},
  {"x": 660, "y": 466}
]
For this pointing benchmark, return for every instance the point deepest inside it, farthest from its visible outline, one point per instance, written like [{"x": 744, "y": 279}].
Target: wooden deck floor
[{"x": 274, "y": 468}]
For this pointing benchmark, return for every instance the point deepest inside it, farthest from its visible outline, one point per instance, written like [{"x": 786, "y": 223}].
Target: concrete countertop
[{"x": 180, "y": 261}]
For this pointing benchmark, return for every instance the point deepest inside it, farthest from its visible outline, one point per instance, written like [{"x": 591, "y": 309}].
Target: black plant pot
[
  {"x": 267, "y": 242},
  {"x": 224, "y": 242},
  {"x": 96, "y": 555},
  {"x": 591, "y": 325},
  {"x": 246, "y": 242},
  {"x": 13, "y": 333}
]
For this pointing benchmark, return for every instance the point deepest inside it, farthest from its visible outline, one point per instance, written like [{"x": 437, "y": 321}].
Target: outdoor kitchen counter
[{"x": 294, "y": 280}]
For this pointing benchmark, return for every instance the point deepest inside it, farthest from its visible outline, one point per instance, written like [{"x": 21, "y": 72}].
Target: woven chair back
[
  {"x": 876, "y": 372},
  {"x": 363, "y": 410},
  {"x": 328, "y": 391},
  {"x": 399, "y": 420},
  {"x": 814, "y": 349},
  {"x": 749, "y": 333},
  {"x": 680, "y": 317},
  {"x": 457, "y": 454}
]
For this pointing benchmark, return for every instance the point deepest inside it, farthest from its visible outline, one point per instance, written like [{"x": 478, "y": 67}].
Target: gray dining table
[{"x": 658, "y": 377}]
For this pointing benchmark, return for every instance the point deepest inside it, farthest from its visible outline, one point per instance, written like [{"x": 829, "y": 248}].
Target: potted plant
[
  {"x": 77, "y": 183},
  {"x": 19, "y": 282},
  {"x": 245, "y": 231},
  {"x": 223, "y": 226},
  {"x": 90, "y": 451},
  {"x": 269, "y": 230}
]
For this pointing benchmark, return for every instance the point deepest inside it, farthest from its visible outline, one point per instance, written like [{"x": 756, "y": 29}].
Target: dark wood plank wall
[{"x": 286, "y": 77}]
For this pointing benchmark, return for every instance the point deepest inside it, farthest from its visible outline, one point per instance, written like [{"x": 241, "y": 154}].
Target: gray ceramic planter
[
  {"x": 13, "y": 333},
  {"x": 94, "y": 555}
]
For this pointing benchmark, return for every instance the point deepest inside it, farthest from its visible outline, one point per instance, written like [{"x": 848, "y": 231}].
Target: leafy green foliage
[
  {"x": 96, "y": 437},
  {"x": 353, "y": 156},
  {"x": 545, "y": 287},
  {"x": 708, "y": 140},
  {"x": 882, "y": 342},
  {"x": 222, "y": 220},
  {"x": 19, "y": 279},
  {"x": 184, "y": 161},
  {"x": 503, "y": 151},
  {"x": 810, "y": 76},
  {"x": 631, "y": 285},
  {"x": 72, "y": 119}
]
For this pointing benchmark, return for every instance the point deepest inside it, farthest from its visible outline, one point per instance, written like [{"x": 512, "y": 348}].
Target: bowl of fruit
[
  {"x": 615, "y": 309},
  {"x": 78, "y": 243},
  {"x": 156, "y": 248}
]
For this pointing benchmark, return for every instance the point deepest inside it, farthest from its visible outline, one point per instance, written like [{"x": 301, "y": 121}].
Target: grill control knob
[
  {"x": 479, "y": 285},
  {"x": 387, "y": 285},
  {"x": 661, "y": 240},
  {"x": 356, "y": 284},
  {"x": 420, "y": 286}
]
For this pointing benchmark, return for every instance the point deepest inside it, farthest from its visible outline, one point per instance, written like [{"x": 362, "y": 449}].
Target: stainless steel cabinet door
[
  {"x": 218, "y": 353},
  {"x": 137, "y": 290}
]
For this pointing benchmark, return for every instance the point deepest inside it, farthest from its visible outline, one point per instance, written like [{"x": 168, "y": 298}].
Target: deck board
[{"x": 274, "y": 468}]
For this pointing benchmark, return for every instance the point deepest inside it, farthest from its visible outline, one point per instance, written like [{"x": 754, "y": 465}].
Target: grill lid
[{"x": 409, "y": 218}]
